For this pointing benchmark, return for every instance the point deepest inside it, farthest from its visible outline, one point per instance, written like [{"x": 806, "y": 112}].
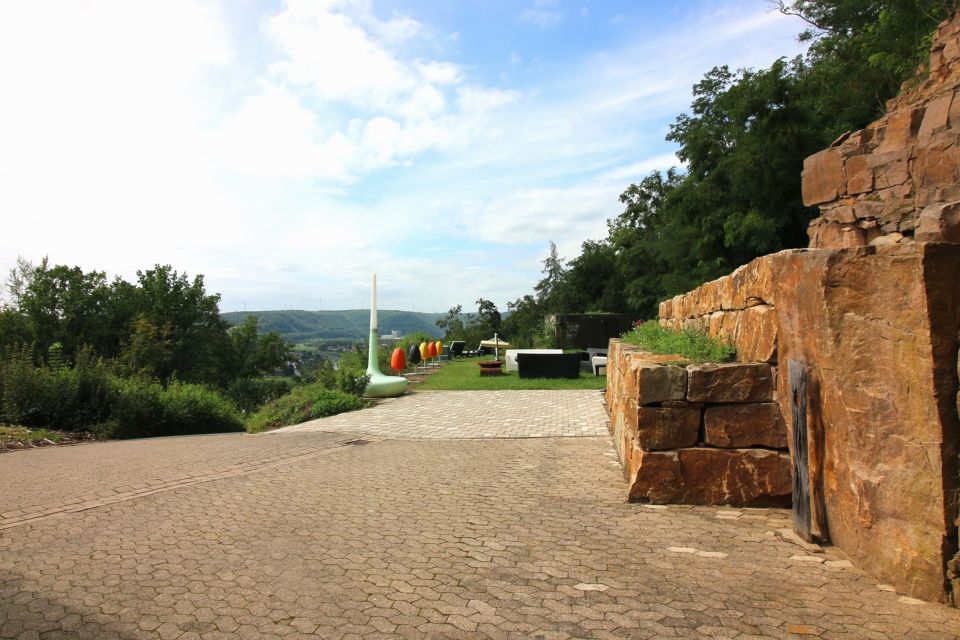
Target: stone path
[
  {"x": 475, "y": 414},
  {"x": 302, "y": 535}
]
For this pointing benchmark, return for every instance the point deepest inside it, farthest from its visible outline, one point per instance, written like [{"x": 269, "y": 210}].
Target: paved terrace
[{"x": 481, "y": 531}]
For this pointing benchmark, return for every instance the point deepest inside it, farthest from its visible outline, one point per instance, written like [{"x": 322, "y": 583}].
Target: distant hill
[{"x": 351, "y": 324}]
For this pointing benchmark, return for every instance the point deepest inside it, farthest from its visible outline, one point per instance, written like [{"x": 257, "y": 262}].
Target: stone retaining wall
[
  {"x": 871, "y": 316},
  {"x": 697, "y": 434},
  {"x": 876, "y": 329}
]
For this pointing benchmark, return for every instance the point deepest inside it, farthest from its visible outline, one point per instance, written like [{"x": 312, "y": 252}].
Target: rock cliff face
[{"x": 897, "y": 179}]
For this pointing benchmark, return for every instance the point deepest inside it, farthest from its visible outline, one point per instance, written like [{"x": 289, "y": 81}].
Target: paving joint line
[{"x": 37, "y": 513}]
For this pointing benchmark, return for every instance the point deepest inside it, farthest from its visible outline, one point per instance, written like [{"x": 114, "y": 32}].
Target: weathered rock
[
  {"x": 899, "y": 129},
  {"x": 825, "y": 234},
  {"x": 756, "y": 334},
  {"x": 935, "y": 164},
  {"x": 738, "y": 477},
  {"x": 823, "y": 177},
  {"x": 877, "y": 331},
  {"x": 659, "y": 382},
  {"x": 859, "y": 175},
  {"x": 895, "y": 167},
  {"x": 936, "y": 116},
  {"x": 939, "y": 223},
  {"x": 735, "y": 426},
  {"x": 741, "y": 382},
  {"x": 890, "y": 238},
  {"x": 661, "y": 428}
]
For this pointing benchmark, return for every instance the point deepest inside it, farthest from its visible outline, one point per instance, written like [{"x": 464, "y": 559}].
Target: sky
[{"x": 288, "y": 149}]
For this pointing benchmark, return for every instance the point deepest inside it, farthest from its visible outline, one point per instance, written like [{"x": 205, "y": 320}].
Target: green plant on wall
[{"x": 693, "y": 345}]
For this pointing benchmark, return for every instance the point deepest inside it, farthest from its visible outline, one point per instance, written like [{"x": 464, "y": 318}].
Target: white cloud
[
  {"x": 541, "y": 17},
  {"x": 287, "y": 168},
  {"x": 567, "y": 215}
]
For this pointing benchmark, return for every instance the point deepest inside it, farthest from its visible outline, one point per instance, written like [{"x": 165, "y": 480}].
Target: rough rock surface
[
  {"x": 892, "y": 178},
  {"x": 750, "y": 382},
  {"x": 877, "y": 331},
  {"x": 660, "y": 428},
  {"x": 745, "y": 425},
  {"x": 659, "y": 383},
  {"x": 750, "y": 477}
]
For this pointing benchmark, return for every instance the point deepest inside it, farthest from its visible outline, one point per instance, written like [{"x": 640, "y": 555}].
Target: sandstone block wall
[
  {"x": 877, "y": 331},
  {"x": 740, "y": 307},
  {"x": 897, "y": 179},
  {"x": 697, "y": 434}
]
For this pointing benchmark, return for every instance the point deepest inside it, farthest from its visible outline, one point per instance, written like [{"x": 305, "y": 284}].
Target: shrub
[
  {"x": 142, "y": 407},
  {"x": 356, "y": 358},
  {"x": 696, "y": 346},
  {"x": 305, "y": 402},
  {"x": 70, "y": 398},
  {"x": 250, "y": 393},
  {"x": 352, "y": 382}
]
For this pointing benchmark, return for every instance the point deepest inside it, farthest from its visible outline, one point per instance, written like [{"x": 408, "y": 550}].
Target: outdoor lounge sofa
[{"x": 548, "y": 365}]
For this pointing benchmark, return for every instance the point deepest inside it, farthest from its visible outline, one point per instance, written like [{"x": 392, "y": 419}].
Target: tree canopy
[
  {"x": 742, "y": 143},
  {"x": 165, "y": 325}
]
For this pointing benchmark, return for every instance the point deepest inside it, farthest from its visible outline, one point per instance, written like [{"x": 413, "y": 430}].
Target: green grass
[
  {"x": 464, "y": 375},
  {"x": 24, "y": 434},
  {"x": 305, "y": 402},
  {"x": 696, "y": 346}
]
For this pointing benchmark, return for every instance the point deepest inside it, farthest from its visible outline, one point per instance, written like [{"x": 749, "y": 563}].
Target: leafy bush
[
  {"x": 141, "y": 407},
  {"x": 305, "y": 402},
  {"x": 356, "y": 359},
  {"x": 89, "y": 397},
  {"x": 250, "y": 393},
  {"x": 696, "y": 346},
  {"x": 71, "y": 398},
  {"x": 352, "y": 382}
]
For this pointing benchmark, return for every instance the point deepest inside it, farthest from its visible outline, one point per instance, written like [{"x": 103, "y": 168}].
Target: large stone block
[
  {"x": 859, "y": 175},
  {"x": 661, "y": 428},
  {"x": 823, "y": 178},
  {"x": 659, "y": 382},
  {"x": 756, "y": 334},
  {"x": 736, "y": 477},
  {"x": 936, "y": 116},
  {"x": 735, "y": 426},
  {"x": 939, "y": 223},
  {"x": 900, "y": 129},
  {"x": 890, "y": 169},
  {"x": 877, "y": 332},
  {"x": 741, "y": 382},
  {"x": 935, "y": 164}
]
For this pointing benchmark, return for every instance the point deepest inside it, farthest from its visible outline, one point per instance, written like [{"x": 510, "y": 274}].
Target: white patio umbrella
[{"x": 496, "y": 344}]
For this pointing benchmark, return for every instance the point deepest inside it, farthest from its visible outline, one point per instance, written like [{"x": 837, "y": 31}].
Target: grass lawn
[{"x": 464, "y": 375}]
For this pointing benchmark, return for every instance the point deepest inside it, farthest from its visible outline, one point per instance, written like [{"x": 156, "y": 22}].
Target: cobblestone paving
[
  {"x": 475, "y": 414},
  {"x": 305, "y": 536}
]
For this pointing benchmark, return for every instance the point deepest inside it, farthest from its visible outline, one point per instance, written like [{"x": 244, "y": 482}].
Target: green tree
[
  {"x": 452, "y": 325},
  {"x": 67, "y": 306},
  {"x": 524, "y": 326},
  {"x": 147, "y": 350},
  {"x": 255, "y": 354},
  {"x": 200, "y": 346},
  {"x": 548, "y": 290}
]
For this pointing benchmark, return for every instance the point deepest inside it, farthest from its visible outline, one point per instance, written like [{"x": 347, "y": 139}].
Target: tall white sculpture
[{"x": 380, "y": 385}]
